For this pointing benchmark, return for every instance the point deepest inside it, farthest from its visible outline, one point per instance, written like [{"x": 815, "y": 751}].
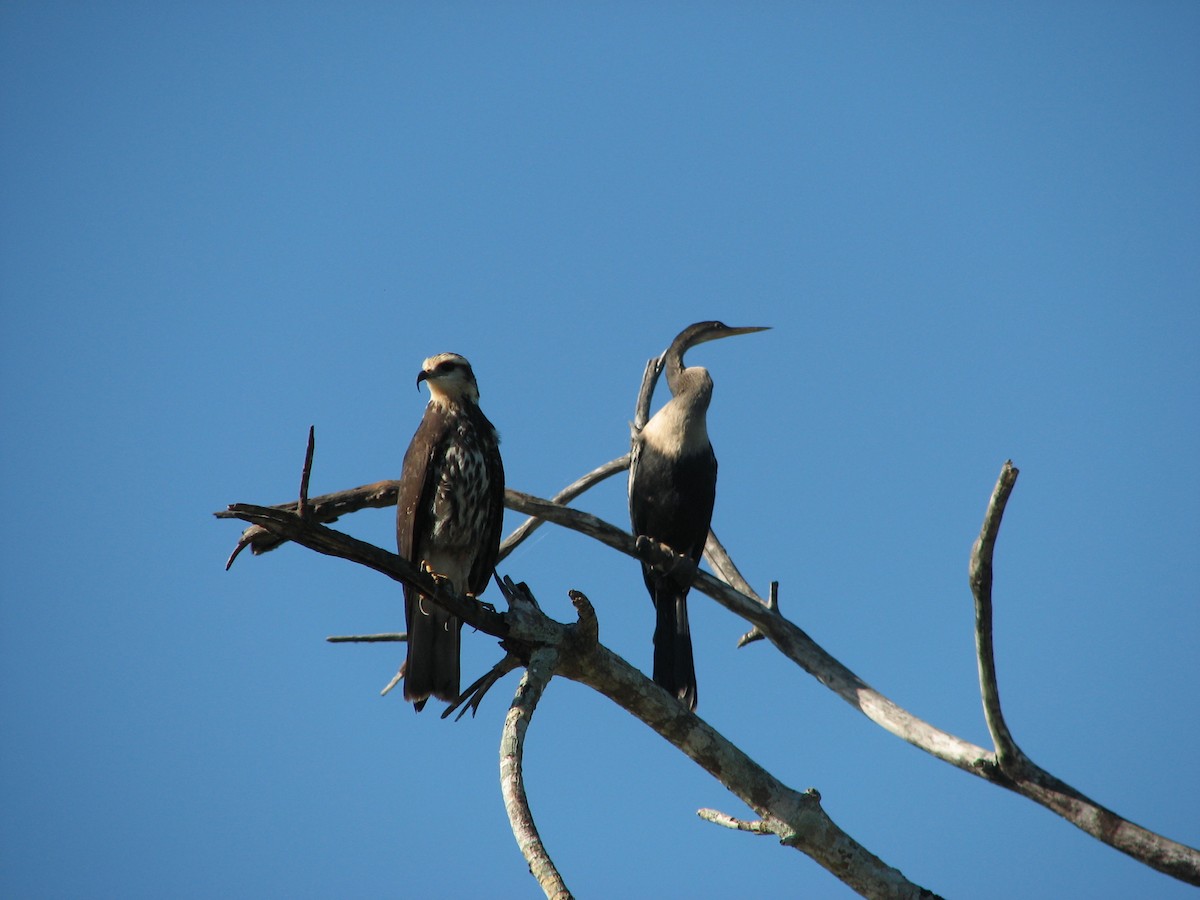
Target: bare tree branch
[
  {"x": 1019, "y": 772},
  {"x": 1008, "y": 754},
  {"x": 790, "y": 639},
  {"x": 641, "y": 410},
  {"x": 367, "y": 638},
  {"x": 728, "y": 821},
  {"x": 324, "y": 509},
  {"x": 288, "y": 526},
  {"x": 796, "y": 817},
  {"x": 1170, "y": 857},
  {"x": 278, "y": 524},
  {"x": 725, "y": 569},
  {"x": 512, "y": 778},
  {"x": 566, "y": 495},
  {"x": 306, "y": 472},
  {"x": 755, "y": 633}
]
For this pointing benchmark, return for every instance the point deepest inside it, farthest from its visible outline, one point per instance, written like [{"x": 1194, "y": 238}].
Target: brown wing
[
  {"x": 413, "y": 501},
  {"x": 489, "y": 550}
]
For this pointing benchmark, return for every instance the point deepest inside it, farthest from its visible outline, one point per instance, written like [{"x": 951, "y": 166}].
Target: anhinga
[
  {"x": 448, "y": 517},
  {"x": 672, "y": 487}
]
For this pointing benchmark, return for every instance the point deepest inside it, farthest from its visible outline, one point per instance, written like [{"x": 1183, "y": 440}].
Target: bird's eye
[{"x": 445, "y": 366}]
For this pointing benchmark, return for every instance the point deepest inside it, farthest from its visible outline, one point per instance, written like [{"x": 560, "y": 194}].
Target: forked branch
[
  {"x": 1007, "y": 766},
  {"x": 1012, "y": 768},
  {"x": 796, "y": 817}
]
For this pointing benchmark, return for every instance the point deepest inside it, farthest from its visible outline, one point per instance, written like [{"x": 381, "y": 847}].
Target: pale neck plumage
[
  {"x": 452, "y": 393},
  {"x": 680, "y": 428}
]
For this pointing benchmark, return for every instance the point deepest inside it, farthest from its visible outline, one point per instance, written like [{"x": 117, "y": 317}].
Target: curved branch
[
  {"x": 790, "y": 639},
  {"x": 1161, "y": 853},
  {"x": 1008, "y": 754},
  {"x": 279, "y": 524},
  {"x": 566, "y": 495},
  {"x": 512, "y": 779},
  {"x": 1026, "y": 777},
  {"x": 796, "y": 817}
]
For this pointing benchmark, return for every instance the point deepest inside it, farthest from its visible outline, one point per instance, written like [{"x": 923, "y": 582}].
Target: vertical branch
[
  {"x": 1008, "y": 753},
  {"x": 306, "y": 472},
  {"x": 641, "y": 413},
  {"x": 512, "y": 779}
]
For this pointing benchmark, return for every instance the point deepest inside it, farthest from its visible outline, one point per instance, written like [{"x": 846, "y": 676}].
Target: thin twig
[
  {"x": 756, "y": 633},
  {"x": 727, "y": 821},
  {"x": 566, "y": 495},
  {"x": 724, "y": 568},
  {"x": 367, "y": 638},
  {"x": 306, "y": 473},
  {"x": 396, "y": 679},
  {"x": 512, "y": 778},
  {"x": 1008, "y": 754}
]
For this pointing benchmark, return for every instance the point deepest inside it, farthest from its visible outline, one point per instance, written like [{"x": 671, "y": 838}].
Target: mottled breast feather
[{"x": 452, "y": 491}]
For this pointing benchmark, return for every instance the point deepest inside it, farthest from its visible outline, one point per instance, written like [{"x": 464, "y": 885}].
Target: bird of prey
[
  {"x": 448, "y": 517},
  {"x": 672, "y": 487}
]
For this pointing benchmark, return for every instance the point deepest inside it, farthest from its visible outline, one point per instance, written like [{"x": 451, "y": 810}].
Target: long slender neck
[
  {"x": 680, "y": 427},
  {"x": 674, "y": 370}
]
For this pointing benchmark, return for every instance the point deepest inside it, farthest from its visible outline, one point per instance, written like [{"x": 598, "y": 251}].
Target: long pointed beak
[{"x": 749, "y": 329}]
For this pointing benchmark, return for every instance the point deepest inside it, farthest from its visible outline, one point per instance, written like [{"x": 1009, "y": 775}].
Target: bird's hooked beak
[{"x": 421, "y": 376}]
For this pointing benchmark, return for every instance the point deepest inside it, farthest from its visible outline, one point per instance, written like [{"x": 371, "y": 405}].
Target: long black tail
[
  {"x": 433, "y": 652},
  {"x": 674, "y": 668}
]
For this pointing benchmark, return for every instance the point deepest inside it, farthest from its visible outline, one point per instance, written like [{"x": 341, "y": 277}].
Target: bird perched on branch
[
  {"x": 448, "y": 517},
  {"x": 672, "y": 487}
]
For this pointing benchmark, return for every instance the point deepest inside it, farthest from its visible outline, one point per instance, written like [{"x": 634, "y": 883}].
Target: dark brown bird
[
  {"x": 672, "y": 488},
  {"x": 448, "y": 516}
]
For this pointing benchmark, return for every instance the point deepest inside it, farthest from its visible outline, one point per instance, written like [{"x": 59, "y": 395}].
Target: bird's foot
[{"x": 439, "y": 579}]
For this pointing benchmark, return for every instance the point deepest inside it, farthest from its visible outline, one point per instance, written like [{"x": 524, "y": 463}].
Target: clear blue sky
[{"x": 976, "y": 231}]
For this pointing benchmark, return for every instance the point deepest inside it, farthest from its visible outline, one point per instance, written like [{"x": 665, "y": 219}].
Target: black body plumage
[
  {"x": 672, "y": 490},
  {"x": 448, "y": 515}
]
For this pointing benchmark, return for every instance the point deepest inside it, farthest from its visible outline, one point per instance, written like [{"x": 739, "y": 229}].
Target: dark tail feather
[
  {"x": 433, "y": 652},
  {"x": 674, "y": 668}
]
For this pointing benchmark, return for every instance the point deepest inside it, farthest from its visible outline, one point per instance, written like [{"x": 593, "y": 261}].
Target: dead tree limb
[
  {"x": 566, "y": 495},
  {"x": 796, "y": 817},
  {"x": 1161, "y": 853},
  {"x": 512, "y": 773},
  {"x": 1007, "y": 766},
  {"x": 1008, "y": 754},
  {"x": 1156, "y": 851},
  {"x": 1016, "y": 770}
]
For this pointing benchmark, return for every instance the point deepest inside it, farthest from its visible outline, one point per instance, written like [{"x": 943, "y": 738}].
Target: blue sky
[{"x": 975, "y": 230}]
